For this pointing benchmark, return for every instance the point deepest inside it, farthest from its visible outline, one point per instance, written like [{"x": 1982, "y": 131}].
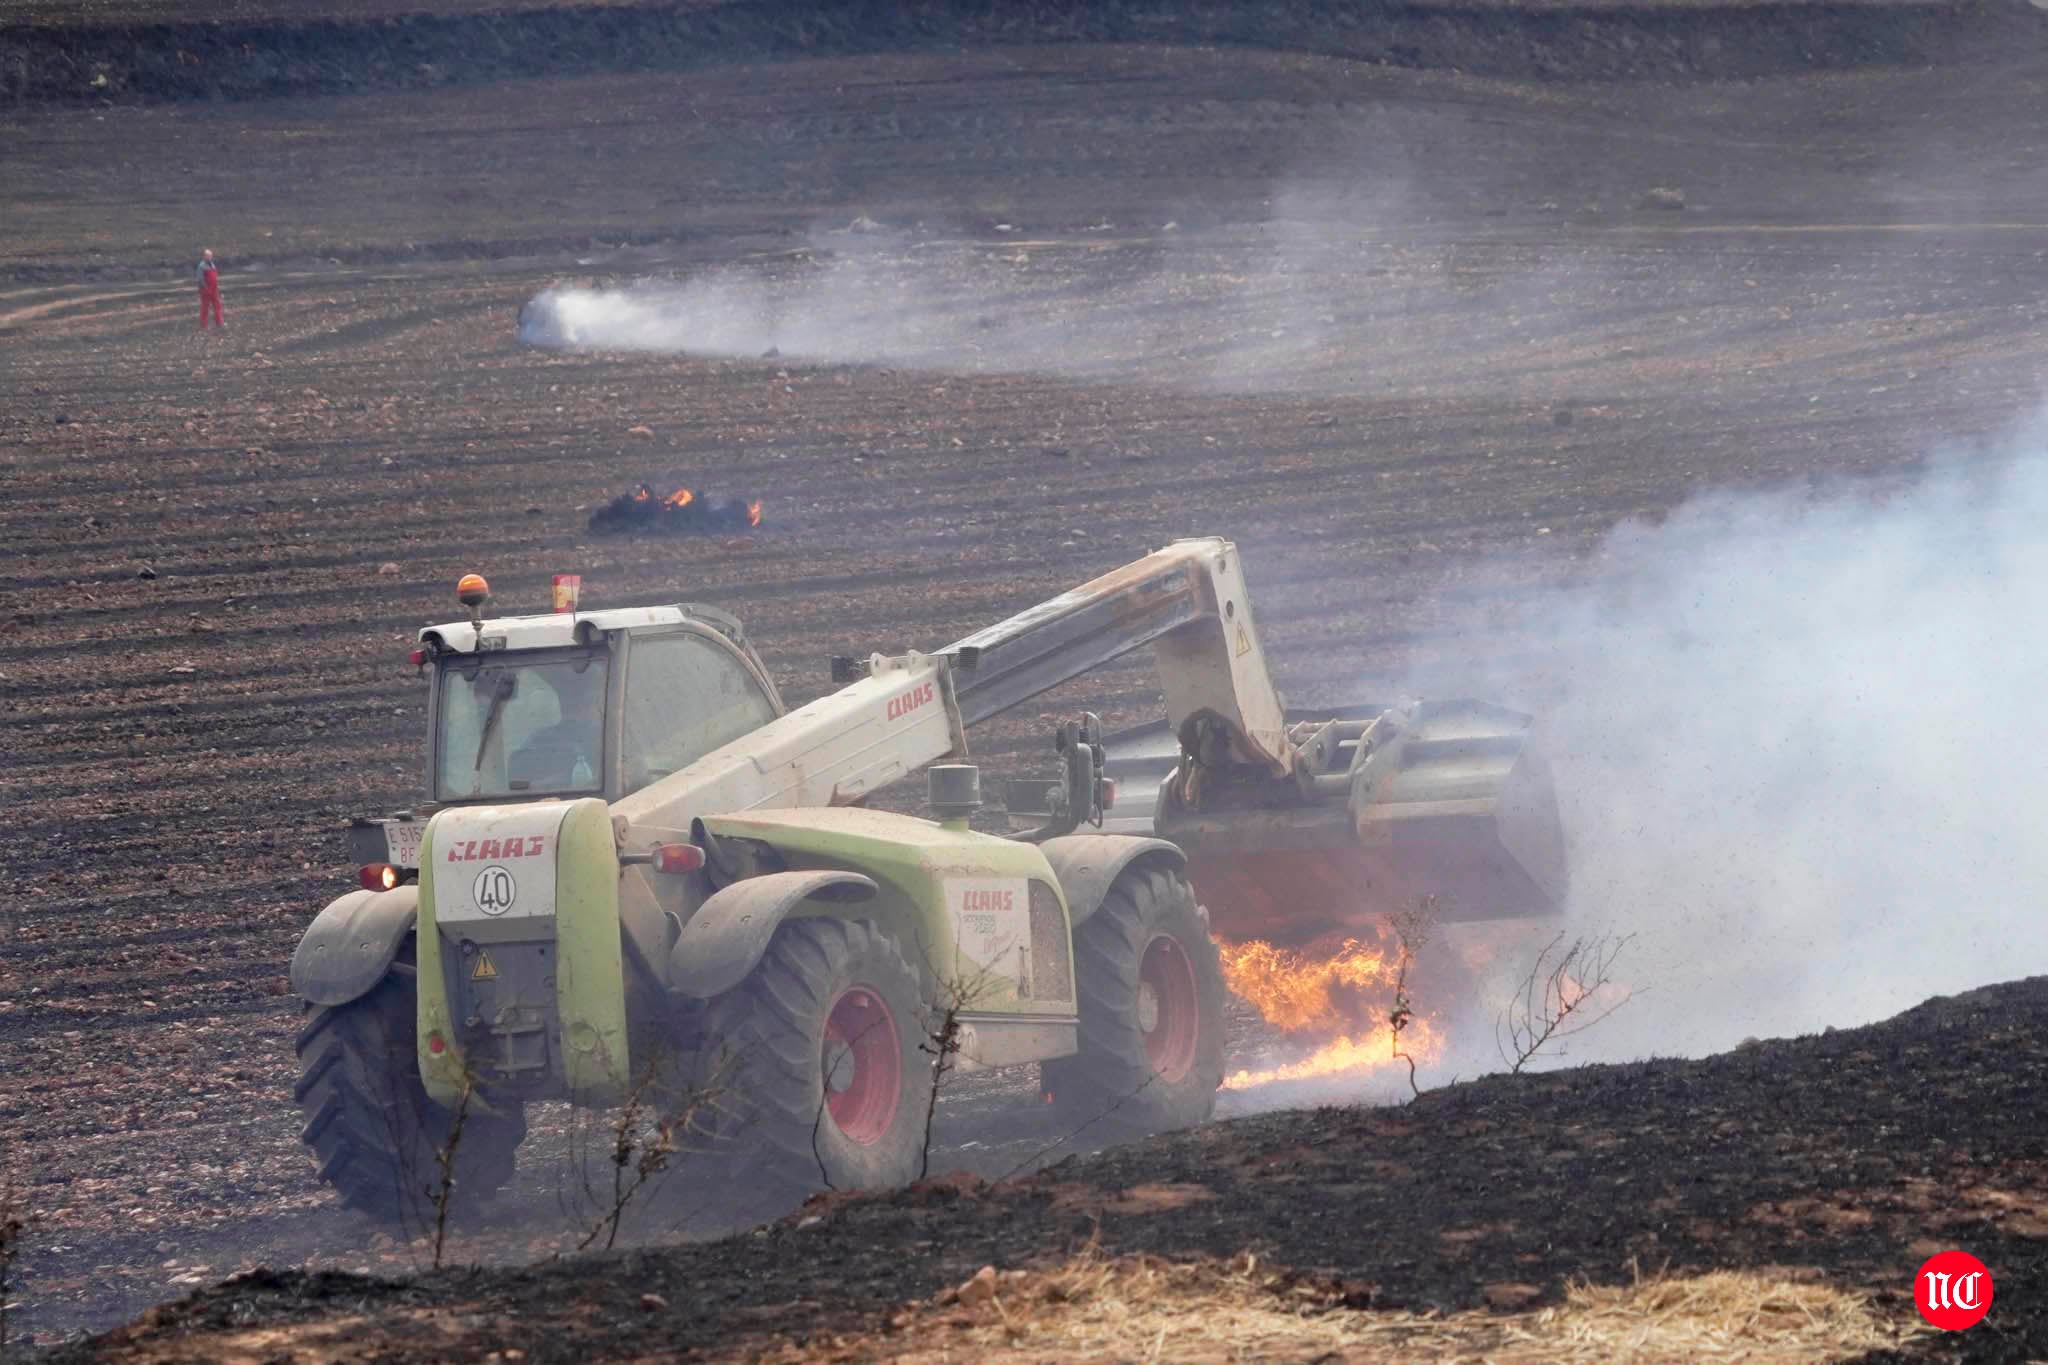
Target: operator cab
[{"x": 572, "y": 704}]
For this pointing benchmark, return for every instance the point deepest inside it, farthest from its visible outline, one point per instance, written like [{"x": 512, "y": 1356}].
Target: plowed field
[{"x": 1414, "y": 338}]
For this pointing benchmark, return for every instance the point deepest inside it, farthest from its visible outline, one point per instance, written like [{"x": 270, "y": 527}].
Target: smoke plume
[
  {"x": 1187, "y": 311},
  {"x": 1799, "y": 746}
]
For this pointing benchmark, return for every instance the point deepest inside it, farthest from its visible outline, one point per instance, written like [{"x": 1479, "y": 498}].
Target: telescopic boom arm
[
  {"x": 1188, "y": 601},
  {"x": 897, "y": 714}
]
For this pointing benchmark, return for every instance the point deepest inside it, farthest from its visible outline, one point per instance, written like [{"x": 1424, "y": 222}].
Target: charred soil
[
  {"x": 96, "y": 51},
  {"x": 1848, "y": 1158}
]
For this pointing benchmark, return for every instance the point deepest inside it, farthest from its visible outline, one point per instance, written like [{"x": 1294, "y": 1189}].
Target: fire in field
[
  {"x": 681, "y": 512},
  {"x": 1343, "y": 1001}
]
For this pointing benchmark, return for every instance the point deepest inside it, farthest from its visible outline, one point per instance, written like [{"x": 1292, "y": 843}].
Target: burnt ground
[
  {"x": 118, "y": 51},
  {"x": 1858, "y": 1153},
  {"x": 1415, "y": 338}
]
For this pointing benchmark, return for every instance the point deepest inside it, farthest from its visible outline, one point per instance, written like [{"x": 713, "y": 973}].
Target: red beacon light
[{"x": 568, "y": 587}]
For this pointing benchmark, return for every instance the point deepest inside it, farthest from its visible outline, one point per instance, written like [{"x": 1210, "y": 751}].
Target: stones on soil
[{"x": 980, "y": 1289}]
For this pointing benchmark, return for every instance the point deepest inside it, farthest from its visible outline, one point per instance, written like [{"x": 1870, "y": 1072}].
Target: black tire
[
  {"x": 1149, "y": 1060},
  {"x": 374, "y": 1132},
  {"x": 765, "y": 1045}
]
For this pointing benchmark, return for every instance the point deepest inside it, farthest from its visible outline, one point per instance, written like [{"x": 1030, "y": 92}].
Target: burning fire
[
  {"x": 1297, "y": 993},
  {"x": 680, "y": 512},
  {"x": 1419, "y": 1040},
  {"x": 1347, "y": 997}
]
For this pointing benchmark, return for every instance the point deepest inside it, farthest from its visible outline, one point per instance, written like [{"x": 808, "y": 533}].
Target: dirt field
[
  {"x": 1414, "y": 338},
  {"x": 1842, "y": 1160},
  {"x": 97, "y": 51}
]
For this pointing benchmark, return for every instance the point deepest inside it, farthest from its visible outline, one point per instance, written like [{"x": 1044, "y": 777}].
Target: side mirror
[{"x": 1079, "y": 796}]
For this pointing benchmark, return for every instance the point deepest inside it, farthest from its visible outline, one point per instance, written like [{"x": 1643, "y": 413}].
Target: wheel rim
[
  {"x": 863, "y": 1065},
  {"x": 1169, "y": 1017}
]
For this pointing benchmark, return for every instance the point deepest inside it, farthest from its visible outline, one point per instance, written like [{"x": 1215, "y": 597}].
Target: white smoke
[
  {"x": 1796, "y": 738},
  {"x": 1801, "y": 750},
  {"x": 1183, "y": 311},
  {"x": 852, "y": 310}
]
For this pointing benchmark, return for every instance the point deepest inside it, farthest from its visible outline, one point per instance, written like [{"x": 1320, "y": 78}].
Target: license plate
[{"x": 402, "y": 842}]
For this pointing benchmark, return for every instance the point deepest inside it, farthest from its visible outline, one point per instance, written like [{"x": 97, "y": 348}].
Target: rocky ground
[{"x": 1416, "y": 338}]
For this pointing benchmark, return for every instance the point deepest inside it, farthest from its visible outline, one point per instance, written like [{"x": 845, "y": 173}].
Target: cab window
[
  {"x": 520, "y": 726},
  {"x": 685, "y": 696}
]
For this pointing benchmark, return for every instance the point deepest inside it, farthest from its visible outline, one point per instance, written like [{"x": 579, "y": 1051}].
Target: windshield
[{"x": 530, "y": 727}]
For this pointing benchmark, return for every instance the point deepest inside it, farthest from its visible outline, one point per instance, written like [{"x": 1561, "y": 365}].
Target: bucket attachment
[{"x": 1389, "y": 805}]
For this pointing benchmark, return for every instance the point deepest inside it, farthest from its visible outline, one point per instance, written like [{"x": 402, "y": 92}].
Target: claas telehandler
[{"x": 636, "y": 858}]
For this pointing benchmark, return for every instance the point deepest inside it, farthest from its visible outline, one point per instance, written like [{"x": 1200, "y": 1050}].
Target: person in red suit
[{"x": 209, "y": 291}]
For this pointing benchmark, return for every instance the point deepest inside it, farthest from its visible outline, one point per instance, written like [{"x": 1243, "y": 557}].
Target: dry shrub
[{"x": 1145, "y": 1308}]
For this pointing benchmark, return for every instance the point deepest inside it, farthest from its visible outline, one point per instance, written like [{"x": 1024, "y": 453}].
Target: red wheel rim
[
  {"x": 863, "y": 1065},
  {"x": 1169, "y": 1017}
]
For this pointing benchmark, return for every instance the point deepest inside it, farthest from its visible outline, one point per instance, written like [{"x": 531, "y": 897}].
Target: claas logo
[
  {"x": 904, "y": 703},
  {"x": 487, "y": 850}
]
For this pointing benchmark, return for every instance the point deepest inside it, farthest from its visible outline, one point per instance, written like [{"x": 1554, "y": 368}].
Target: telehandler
[{"x": 635, "y": 856}]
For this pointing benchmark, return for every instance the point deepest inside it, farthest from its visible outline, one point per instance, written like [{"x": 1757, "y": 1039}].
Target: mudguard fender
[
  {"x": 350, "y": 945},
  {"x": 1087, "y": 865},
  {"x": 725, "y": 938}
]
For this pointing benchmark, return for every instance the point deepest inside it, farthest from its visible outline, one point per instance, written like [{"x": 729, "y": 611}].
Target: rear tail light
[
  {"x": 378, "y": 876},
  {"x": 676, "y": 858},
  {"x": 1105, "y": 792}
]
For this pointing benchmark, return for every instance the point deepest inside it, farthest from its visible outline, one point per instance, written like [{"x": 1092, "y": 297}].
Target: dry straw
[{"x": 1141, "y": 1308}]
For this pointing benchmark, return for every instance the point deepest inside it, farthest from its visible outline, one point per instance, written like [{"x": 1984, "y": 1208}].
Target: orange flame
[
  {"x": 681, "y": 498},
  {"x": 1347, "y": 997},
  {"x": 754, "y": 513},
  {"x": 642, "y": 493},
  {"x": 1569, "y": 991},
  {"x": 1297, "y": 993},
  {"x": 1351, "y": 1056}
]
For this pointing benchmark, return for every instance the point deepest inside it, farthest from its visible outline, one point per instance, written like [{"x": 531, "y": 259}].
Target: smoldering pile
[{"x": 680, "y": 512}]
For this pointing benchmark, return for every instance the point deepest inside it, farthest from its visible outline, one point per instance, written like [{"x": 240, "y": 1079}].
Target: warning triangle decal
[
  {"x": 483, "y": 971},
  {"x": 1244, "y": 640}
]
